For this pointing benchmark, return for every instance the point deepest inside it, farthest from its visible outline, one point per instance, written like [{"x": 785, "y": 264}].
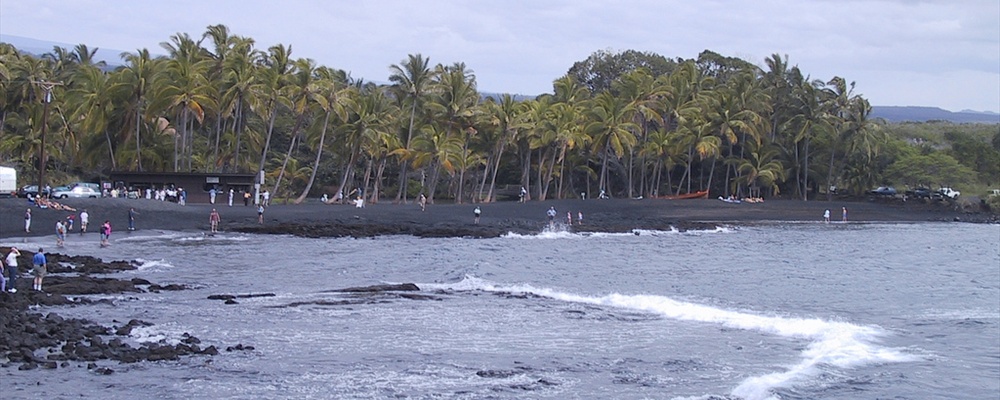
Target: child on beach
[{"x": 106, "y": 234}]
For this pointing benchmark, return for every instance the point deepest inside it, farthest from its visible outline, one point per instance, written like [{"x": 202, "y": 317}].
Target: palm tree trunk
[
  {"x": 138, "y": 147},
  {"x": 111, "y": 151},
  {"x": 218, "y": 135},
  {"x": 319, "y": 155},
  {"x": 432, "y": 186},
  {"x": 291, "y": 147},
  {"x": 401, "y": 195},
  {"x": 486, "y": 175},
  {"x": 805, "y": 178},
  {"x": 377, "y": 186},
  {"x": 493, "y": 180},
  {"x": 267, "y": 142},
  {"x": 238, "y": 126}
]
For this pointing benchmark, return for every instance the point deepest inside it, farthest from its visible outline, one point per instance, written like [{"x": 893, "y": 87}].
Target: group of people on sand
[
  {"x": 45, "y": 203},
  {"x": 9, "y": 272},
  {"x": 551, "y": 213},
  {"x": 843, "y": 215},
  {"x": 64, "y": 227}
]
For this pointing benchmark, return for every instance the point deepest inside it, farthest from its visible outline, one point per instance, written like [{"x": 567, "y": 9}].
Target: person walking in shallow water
[
  {"x": 84, "y": 220},
  {"x": 131, "y": 218},
  {"x": 213, "y": 219}
]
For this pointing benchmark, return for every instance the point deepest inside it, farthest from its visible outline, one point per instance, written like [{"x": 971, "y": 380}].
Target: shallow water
[{"x": 790, "y": 311}]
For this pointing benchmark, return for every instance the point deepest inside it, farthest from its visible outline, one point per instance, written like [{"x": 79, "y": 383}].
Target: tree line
[{"x": 630, "y": 124}]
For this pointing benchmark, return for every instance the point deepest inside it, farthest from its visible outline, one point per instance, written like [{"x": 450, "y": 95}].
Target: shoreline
[{"x": 315, "y": 219}]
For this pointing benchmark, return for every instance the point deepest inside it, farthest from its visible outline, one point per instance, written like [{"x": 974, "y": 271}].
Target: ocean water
[{"x": 771, "y": 311}]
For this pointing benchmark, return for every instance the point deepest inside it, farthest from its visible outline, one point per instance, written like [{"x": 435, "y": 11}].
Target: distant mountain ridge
[
  {"x": 889, "y": 113},
  {"x": 924, "y": 114}
]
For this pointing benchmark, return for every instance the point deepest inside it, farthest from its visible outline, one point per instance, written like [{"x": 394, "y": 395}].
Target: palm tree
[
  {"x": 611, "y": 128},
  {"x": 93, "y": 96},
  {"x": 504, "y": 116},
  {"x": 333, "y": 99},
  {"x": 137, "y": 77},
  {"x": 435, "y": 149},
  {"x": 411, "y": 80},
  {"x": 812, "y": 119},
  {"x": 302, "y": 92},
  {"x": 241, "y": 74},
  {"x": 268, "y": 92},
  {"x": 455, "y": 104}
]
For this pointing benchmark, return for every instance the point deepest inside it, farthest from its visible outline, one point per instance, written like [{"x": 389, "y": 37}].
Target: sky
[{"x": 937, "y": 53}]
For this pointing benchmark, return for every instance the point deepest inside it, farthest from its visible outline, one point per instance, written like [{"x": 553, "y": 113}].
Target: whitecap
[{"x": 833, "y": 343}]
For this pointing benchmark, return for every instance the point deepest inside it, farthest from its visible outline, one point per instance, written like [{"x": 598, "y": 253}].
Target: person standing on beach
[
  {"x": 3, "y": 277},
  {"x": 60, "y": 233},
  {"x": 12, "y": 269},
  {"x": 579, "y": 218},
  {"x": 552, "y": 216},
  {"x": 826, "y": 216},
  {"x": 211, "y": 195},
  {"x": 423, "y": 202},
  {"x": 569, "y": 217},
  {"x": 523, "y": 194},
  {"x": 40, "y": 269},
  {"x": 131, "y": 218},
  {"x": 27, "y": 221},
  {"x": 843, "y": 214},
  {"x": 214, "y": 219},
  {"x": 106, "y": 234},
  {"x": 69, "y": 223},
  {"x": 231, "y": 193},
  {"x": 267, "y": 198},
  {"x": 260, "y": 214},
  {"x": 84, "y": 220},
  {"x": 478, "y": 213}
]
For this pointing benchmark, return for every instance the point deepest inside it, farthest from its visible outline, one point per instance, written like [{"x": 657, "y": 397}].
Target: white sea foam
[
  {"x": 153, "y": 265},
  {"x": 833, "y": 343},
  {"x": 561, "y": 232}
]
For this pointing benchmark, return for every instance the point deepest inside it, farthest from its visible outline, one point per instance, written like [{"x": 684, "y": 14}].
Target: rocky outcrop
[{"x": 47, "y": 340}]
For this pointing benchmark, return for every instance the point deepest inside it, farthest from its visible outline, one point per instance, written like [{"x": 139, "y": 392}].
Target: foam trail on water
[
  {"x": 840, "y": 344},
  {"x": 562, "y": 232},
  {"x": 153, "y": 265}
]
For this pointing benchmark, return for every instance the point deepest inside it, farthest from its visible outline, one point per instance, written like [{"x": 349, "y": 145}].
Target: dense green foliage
[{"x": 632, "y": 124}]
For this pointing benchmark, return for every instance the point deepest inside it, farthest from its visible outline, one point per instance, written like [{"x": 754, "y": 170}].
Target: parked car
[
  {"x": 87, "y": 184},
  {"x": 28, "y": 191},
  {"x": 79, "y": 191},
  {"x": 920, "y": 193},
  {"x": 884, "y": 191},
  {"x": 949, "y": 193}
]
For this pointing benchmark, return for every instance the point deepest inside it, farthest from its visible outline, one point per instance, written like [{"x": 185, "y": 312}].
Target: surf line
[{"x": 840, "y": 344}]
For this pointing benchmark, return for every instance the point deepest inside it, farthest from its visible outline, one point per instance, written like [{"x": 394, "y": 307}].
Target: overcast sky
[{"x": 899, "y": 52}]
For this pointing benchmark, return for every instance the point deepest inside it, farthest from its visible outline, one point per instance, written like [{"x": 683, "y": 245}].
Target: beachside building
[{"x": 196, "y": 185}]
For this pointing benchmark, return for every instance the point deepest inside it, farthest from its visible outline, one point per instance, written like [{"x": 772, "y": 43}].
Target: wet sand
[{"x": 314, "y": 218}]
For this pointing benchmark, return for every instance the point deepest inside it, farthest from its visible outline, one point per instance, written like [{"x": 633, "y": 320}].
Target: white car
[
  {"x": 949, "y": 193},
  {"x": 79, "y": 191}
]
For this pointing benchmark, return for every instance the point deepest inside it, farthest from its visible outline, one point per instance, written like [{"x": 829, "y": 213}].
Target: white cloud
[{"x": 934, "y": 53}]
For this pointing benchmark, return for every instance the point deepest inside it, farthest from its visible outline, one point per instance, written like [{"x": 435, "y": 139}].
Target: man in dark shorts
[{"x": 40, "y": 269}]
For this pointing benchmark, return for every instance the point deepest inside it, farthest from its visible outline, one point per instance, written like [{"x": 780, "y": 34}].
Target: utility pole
[{"x": 47, "y": 86}]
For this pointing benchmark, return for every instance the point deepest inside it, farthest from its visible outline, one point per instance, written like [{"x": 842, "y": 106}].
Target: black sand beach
[{"x": 315, "y": 219}]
